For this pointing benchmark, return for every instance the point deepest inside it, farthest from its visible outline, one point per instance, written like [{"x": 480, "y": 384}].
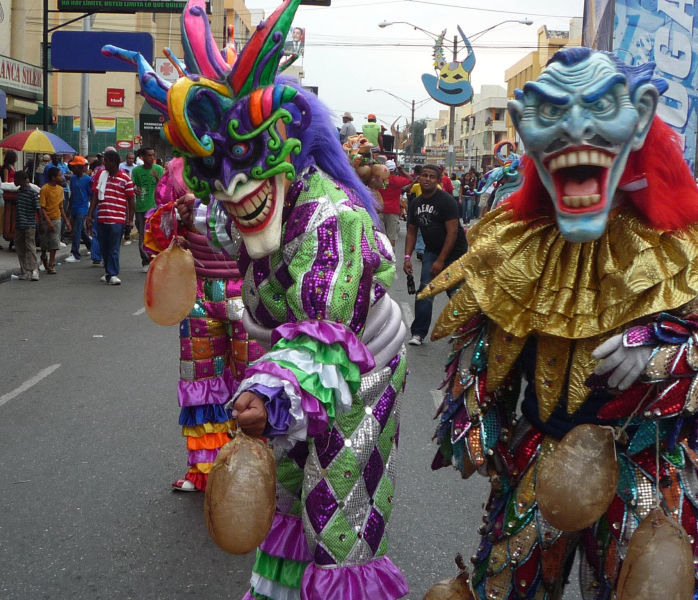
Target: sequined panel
[
  {"x": 234, "y": 309},
  {"x": 349, "y": 478},
  {"x": 498, "y": 586},
  {"x": 186, "y": 370},
  {"x": 660, "y": 363}
]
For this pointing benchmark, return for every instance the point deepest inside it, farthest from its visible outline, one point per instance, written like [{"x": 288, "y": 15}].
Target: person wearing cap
[
  {"x": 390, "y": 215},
  {"x": 347, "y": 129},
  {"x": 372, "y": 131},
  {"x": 80, "y": 192}
]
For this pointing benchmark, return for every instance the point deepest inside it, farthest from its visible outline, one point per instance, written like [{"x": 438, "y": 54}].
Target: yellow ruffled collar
[{"x": 527, "y": 278}]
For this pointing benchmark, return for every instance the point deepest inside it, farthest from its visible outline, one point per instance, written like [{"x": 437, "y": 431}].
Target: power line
[{"x": 490, "y": 10}]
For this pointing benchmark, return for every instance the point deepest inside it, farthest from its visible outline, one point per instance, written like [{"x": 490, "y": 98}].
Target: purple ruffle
[
  {"x": 202, "y": 456},
  {"x": 277, "y": 405},
  {"x": 216, "y": 390},
  {"x": 328, "y": 333},
  {"x": 318, "y": 422},
  {"x": 286, "y": 539},
  {"x": 377, "y": 579}
]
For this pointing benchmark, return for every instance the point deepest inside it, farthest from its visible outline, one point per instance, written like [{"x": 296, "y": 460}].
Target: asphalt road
[{"x": 90, "y": 444}]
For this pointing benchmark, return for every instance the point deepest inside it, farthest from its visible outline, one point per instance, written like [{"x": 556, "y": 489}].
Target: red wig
[{"x": 668, "y": 202}]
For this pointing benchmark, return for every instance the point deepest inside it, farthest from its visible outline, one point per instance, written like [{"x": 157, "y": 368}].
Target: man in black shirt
[{"x": 435, "y": 214}]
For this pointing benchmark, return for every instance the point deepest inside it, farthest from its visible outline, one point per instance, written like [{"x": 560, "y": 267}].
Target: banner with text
[
  {"x": 664, "y": 31},
  {"x": 124, "y": 133}
]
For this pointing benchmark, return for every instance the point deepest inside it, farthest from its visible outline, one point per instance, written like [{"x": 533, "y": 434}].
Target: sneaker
[
  {"x": 103, "y": 279},
  {"x": 51, "y": 270},
  {"x": 42, "y": 267},
  {"x": 63, "y": 245},
  {"x": 96, "y": 262},
  {"x": 114, "y": 280},
  {"x": 183, "y": 485},
  {"x": 144, "y": 268},
  {"x": 127, "y": 243},
  {"x": 35, "y": 275},
  {"x": 72, "y": 259},
  {"x": 416, "y": 340}
]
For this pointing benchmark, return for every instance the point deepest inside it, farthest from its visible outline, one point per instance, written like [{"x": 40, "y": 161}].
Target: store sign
[
  {"x": 126, "y": 6},
  {"x": 151, "y": 122},
  {"x": 20, "y": 78},
  {"x": 666, "y": 33},
  {"x": 115, "y": 97}
]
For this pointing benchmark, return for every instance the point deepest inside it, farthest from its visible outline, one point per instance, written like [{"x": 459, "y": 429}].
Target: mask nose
[{"x": 577, "y": 127}]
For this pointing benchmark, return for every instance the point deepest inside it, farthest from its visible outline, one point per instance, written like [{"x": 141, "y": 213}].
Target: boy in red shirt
[{"x": 391, "y": 200}]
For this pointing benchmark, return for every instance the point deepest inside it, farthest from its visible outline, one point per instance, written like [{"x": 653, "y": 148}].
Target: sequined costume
[
  {"x": 539, "y": 292},
  {"x": 262, "y": 152},
  {"x": 337, "y": 353},
  {"x": 214, "y": 346}
]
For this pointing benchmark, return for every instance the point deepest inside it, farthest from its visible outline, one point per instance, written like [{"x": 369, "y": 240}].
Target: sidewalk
[{"x": 9, "y": 265}]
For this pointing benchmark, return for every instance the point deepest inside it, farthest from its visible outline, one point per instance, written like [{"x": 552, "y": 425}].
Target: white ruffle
[
  {"x": 330, "y": 376},
  {"x": 272, "y": 589},
  {"x": 298, "y": 428}
]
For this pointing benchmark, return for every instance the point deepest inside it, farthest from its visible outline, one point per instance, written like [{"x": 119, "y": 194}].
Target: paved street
[{"x": 90, "y": 444}]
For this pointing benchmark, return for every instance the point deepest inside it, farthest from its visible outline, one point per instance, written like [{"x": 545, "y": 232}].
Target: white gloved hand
[{"x": 627, "y": 364}]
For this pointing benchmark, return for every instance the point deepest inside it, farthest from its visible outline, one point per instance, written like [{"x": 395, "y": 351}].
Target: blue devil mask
[{"x": 579, "y": 121}]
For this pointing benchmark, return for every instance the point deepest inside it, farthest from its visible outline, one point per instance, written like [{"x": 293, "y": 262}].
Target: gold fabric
[{"x": 527, "y": 278}]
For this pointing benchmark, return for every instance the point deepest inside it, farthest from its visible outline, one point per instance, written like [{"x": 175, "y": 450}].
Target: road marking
[
  {"x": 438, "y": 397},
  {"x": 28, "y": 384},
  {"x": 140, "y": 311},
  {"x": 407, "y": 314}
]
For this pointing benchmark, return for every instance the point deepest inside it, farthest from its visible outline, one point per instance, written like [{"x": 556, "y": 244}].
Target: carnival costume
[
  {"x": 214, "y": 347},
  {"x": 594, "y": 257},
  {"x": 316, "y": 272}
]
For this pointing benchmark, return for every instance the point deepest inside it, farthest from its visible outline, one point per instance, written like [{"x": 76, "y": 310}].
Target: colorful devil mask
[
  {"x": 452, "y": 87},
  {"x": 579, "y": 121},
  {"x": 228, "y": 119}
]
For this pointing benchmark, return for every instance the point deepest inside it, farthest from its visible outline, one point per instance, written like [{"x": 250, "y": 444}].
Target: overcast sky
[{"x": 343, "y": 58}]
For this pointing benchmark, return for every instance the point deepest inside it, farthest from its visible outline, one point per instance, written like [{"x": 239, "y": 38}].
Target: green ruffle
[
  {"x": 326, "y": 354},
  {"x": 259, "y": 596},
  {"x": 283, "y": 571}
]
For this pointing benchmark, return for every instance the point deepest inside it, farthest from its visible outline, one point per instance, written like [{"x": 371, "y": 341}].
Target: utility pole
[
  {"x": 412, "y": 137},
  {"x": 44, "y": 64},
  {"x": 84, "y": 146}
]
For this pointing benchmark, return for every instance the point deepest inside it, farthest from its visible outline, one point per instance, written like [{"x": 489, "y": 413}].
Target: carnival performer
[
  {"x": 580, "y": 292},
  {"x": 316, "y": 271},
  {"x": 214, "y": 347}
]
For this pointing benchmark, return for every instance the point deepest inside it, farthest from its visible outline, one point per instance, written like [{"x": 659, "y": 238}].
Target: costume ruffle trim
[
  {"x": 280, "y": 571},
  {"x": 190, "y": 416},
  {"x": 198, "y": 479},
  {"x": 328, "y": 333},
  {"x": 526, "y": 277},
  {"x": 377, "y": 579},
  {"x": 216, "y": 390},
  {"x": 286, "y": 539}
]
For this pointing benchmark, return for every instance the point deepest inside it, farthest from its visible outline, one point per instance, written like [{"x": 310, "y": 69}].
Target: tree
[{"x": 418, "y": 134}]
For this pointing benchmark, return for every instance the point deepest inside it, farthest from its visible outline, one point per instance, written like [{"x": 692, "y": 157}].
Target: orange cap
[{"x": 78, "y": 160}]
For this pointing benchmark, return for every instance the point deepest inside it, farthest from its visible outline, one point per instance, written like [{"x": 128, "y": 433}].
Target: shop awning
[
  {"x": 150, "y": 119},
  {"x": 38, "y": 117}
]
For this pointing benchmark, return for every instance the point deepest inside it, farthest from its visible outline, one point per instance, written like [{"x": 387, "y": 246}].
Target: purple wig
[{"x": 321, "y": 147}]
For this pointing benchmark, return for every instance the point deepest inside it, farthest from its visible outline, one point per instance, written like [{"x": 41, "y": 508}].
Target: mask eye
[
  {"x": 604, "y": 106},
  {"x": 240, "y": 150},
  {"x": 550, "y": 111},
  {"x": 457, "y": 76}
]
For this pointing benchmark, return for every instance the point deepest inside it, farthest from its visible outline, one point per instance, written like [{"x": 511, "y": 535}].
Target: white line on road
[
  {"x": 140, "y": 311},
  {"x": 407, "y": 314},
  {"x": 437, "y": 396},
  {"x": 28, "y": 384}
]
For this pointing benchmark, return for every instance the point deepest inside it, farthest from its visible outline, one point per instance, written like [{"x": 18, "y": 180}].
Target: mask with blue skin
[{"x": 579, "y": 121}]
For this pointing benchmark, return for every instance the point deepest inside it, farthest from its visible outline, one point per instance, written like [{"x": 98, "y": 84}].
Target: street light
[
  {"x": 409, "y": 104},
  {"x": 452, "y": 109}
]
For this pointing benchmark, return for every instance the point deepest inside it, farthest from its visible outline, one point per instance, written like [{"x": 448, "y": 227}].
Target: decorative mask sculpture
[
  {"x": 579, "y": 121},
  {"x": 229, "y": 121},
  {"x": 452, "y": 87}
]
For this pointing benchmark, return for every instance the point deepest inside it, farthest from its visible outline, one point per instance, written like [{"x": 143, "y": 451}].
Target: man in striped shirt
[{"x": 115, "y": 196}]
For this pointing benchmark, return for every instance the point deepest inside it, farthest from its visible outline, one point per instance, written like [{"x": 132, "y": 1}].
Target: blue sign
[
  {"x": 81, "y": 51},
  {"x": 3, "y": 104},
  {"x": 664, "y": 32},
  {"x": 452, "y": 86}
]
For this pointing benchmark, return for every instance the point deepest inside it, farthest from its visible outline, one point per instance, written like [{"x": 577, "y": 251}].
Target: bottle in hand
[{"x": 410, "y": 285}]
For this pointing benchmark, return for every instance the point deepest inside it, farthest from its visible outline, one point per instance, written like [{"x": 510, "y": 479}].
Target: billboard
[
  {"x": 90, "y": 58},
  {"x": 663, "y": 32},
  {"x": 125, "y": 6},
  {"x": 295, "y": 42},
  {"x": 5, "y": 25}
]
